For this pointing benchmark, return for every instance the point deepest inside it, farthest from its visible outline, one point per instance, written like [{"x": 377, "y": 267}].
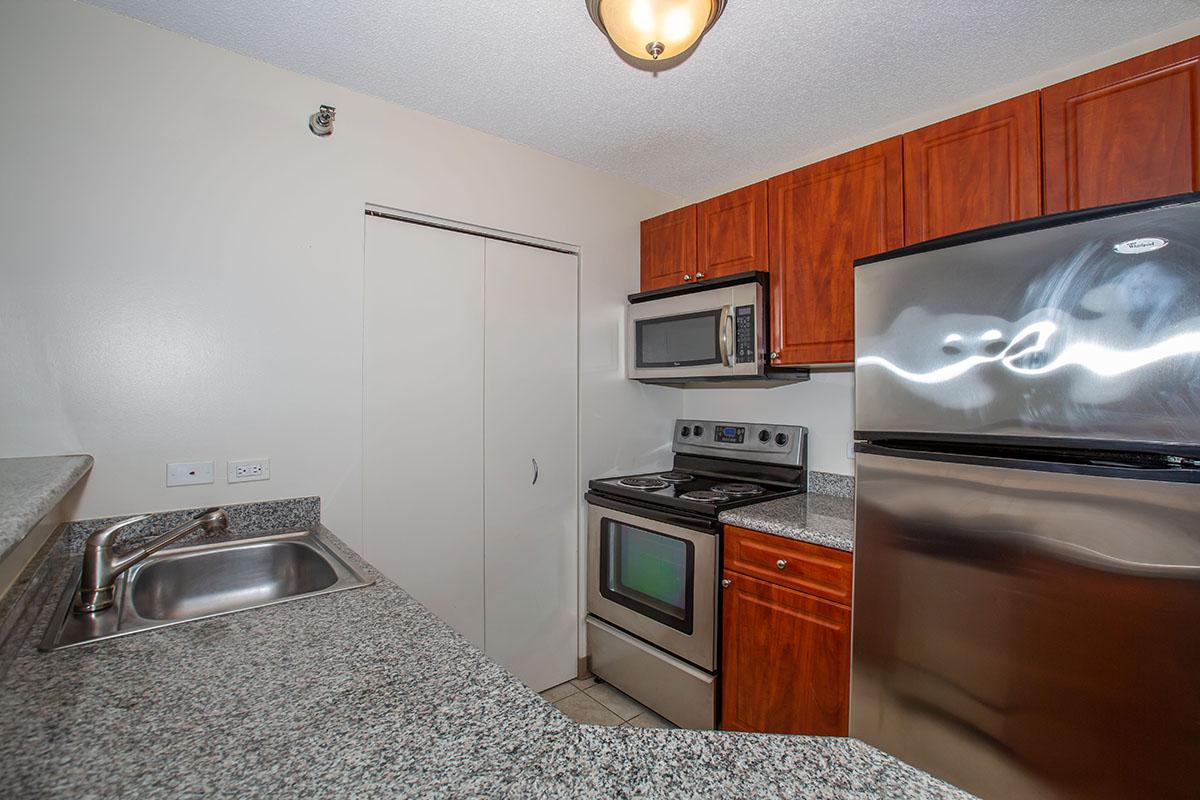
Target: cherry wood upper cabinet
[
  {"x": 669, "y": 248},
  {"x": 732, "y": 232},
  {"x": 977, "y": 169},
  {"x": 786, "y": 660},
  {"x": 1125, "y": 132},
  {"x": 822, "y": 217}
]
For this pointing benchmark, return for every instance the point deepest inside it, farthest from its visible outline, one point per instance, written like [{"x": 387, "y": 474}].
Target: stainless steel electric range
[{"x": 654, "y": 560}]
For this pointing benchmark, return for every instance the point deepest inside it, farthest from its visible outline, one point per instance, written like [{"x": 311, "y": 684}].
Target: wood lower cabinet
[
  {"x": 786, "y": 660},
  {"x": 1126, "y": 132},
  {"x": 669, "y": 249},
  {"x": 980, "y": 168},
  {"x": 785, "y": 653},
  {"x": 822, "y": 218},
  {"x": 732, "y": 232}
]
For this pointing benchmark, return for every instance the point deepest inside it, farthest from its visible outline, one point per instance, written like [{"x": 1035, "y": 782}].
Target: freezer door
[
  {"x": 1025, "y": 633},
  {"x": 1087, "y": 331}
]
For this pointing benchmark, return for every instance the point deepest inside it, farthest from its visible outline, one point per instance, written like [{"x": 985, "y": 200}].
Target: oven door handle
[
  {"x": 708, "y": 525},
  {"x": 726, "y": 336}
]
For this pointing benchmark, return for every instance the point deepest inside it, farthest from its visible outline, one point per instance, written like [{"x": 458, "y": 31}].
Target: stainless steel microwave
[{"x": 710, "y": 331}]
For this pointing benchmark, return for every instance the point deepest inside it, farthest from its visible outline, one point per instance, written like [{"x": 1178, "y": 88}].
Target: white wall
[{"x": 181, "y": 261}]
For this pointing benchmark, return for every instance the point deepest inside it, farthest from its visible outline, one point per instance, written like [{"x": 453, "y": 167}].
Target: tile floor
[{"x": 591, "y": 703}]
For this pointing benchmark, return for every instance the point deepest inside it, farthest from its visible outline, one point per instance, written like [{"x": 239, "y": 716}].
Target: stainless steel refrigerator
[{"x": 1027, "y": 557}]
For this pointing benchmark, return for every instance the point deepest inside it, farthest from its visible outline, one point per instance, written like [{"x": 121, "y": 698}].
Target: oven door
[
  {"x": 700, "y": 334},
  {"x": 655, "y": 580}
]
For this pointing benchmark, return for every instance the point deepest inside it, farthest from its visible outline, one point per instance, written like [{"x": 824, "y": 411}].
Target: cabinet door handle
[
  {"x": 687, "y": 278},
  {"x": 774, "y": 356},
  {"x": 699, "y": 275},
  {"x": 726, "y": 583},
  {"x": 781, "y": 563},
  {"x": 535, "y": 470}
]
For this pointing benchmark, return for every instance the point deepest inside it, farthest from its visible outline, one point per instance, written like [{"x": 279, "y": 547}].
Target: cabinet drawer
[{"x": 815, "y": 570}]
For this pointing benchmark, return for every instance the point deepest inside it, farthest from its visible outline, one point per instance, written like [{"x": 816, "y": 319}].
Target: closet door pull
[{"x": 535, "y": 470}]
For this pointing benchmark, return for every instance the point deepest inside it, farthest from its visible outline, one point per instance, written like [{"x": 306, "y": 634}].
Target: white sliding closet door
[
  {"x": 531, "y": 429},
  {"x": 423, "y": 354}
]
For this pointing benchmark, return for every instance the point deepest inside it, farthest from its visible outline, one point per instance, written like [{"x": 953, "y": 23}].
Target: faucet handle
[
  {"x": 96, "y": 577},
  {"x": 104, "y": 537}
]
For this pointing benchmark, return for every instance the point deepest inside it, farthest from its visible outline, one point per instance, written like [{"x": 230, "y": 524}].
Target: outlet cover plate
[
  {"x": 248, "y": 469},
  {"x": 188, "y": 473}
]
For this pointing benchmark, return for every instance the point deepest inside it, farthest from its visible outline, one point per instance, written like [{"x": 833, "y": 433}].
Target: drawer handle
[
  {"x": 781, "y": 563},
  {"x": 726, "y": 583}
]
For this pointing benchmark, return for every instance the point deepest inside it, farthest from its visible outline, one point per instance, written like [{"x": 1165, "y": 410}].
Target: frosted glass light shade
[{"x": 656, "y": 29}]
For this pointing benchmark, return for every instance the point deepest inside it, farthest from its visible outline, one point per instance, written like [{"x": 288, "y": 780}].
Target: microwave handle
[{"x": 726, "y": 337}]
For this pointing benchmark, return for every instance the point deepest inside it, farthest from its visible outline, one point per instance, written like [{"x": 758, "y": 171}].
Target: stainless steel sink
[{"x": 189, "y": 583}]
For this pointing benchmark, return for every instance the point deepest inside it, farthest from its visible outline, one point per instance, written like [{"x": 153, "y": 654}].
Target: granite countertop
[
  {"x": 362, "y": 693},
  {"x": 30, "y": 488},
  {"x": 816, "y": 518}
]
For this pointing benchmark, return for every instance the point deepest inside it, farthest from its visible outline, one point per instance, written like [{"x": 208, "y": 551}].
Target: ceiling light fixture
[{"x": 654, "y": 34}]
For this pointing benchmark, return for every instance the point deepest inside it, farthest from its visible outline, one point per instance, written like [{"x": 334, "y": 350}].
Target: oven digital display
[{"x": 730, "y": 434}]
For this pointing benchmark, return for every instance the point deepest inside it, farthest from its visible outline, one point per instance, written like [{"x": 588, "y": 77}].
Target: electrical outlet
[
  {"x": 248, "y": 469},
  {"x": 189, "y": 473}
]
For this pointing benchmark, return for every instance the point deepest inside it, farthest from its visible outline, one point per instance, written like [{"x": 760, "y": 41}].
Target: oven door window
[
  {"x": 686, "y": 340},
  {"x": 648, "y": 572}
]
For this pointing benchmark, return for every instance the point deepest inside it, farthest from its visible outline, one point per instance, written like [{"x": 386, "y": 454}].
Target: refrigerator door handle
[{"x": 1146, "y": 468}]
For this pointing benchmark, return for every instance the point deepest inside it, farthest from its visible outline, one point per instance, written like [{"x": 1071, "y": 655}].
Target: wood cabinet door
[
  {"x": 823, "y": 217},
  {"x": 786, "y": 660},
  {"x": 732, "y": 232},
  {"x": 1125, "y": 132},
  {"x": 981, "y": 168},
  {"x": 669, "y": 248}
]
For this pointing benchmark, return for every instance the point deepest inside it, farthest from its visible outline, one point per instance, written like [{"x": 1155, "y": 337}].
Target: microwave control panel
[{"x": 743, "y": 335}]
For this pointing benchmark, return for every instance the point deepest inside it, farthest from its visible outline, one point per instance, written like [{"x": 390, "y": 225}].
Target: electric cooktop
[{"x": 718, "y": 466}]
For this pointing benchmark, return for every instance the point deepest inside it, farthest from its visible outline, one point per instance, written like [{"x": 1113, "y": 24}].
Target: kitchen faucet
[{"x": 101, "y": 565}]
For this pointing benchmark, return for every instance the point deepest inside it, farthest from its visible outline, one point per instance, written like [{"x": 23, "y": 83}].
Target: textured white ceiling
[{"x": 773, "y": 81}]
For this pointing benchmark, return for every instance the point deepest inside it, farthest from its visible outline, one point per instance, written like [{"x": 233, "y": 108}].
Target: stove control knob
[
  {"x": 781, "y": 439},
  {"x": 685, "y": 431},
  {"x": 697, "y": 431},
  {"x": 764, "y": 436}
]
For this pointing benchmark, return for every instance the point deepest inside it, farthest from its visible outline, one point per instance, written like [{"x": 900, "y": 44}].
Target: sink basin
[
  {"x": 202, "y": 582},
  {"x": 189, "y": 583}
]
